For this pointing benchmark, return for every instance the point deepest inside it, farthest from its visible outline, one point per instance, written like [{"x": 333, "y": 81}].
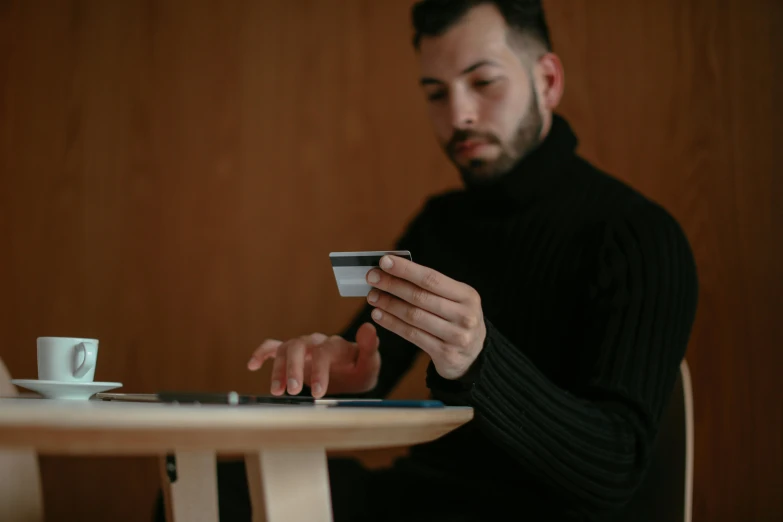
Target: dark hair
[{"x": 434, "y": 17}]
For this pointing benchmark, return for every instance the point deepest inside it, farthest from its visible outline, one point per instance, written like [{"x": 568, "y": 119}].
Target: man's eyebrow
[{"x": 426, "y": 80}]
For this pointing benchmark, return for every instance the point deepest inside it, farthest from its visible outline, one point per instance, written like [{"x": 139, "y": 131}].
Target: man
[{"x": 552, "y": 298}]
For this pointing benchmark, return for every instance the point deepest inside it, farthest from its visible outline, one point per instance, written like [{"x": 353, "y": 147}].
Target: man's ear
[{"x": 551, "y": 80}]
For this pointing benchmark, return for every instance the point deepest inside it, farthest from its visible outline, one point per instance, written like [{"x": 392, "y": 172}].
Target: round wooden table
[{"x": 284, "y": 445}]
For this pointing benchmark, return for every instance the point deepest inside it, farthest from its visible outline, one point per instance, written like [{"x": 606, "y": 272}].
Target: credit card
[{"x": 350, "y": 269}]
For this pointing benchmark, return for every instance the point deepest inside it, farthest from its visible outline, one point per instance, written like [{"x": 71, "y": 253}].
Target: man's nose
[{"x": 464, "y": 113}]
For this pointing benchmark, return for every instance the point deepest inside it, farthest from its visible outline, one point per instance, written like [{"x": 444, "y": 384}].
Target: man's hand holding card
[{"x": 441, "y": 316}]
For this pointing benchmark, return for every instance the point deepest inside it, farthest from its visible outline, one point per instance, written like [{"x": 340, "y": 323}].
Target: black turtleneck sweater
[{"x": 589, "y": 292}]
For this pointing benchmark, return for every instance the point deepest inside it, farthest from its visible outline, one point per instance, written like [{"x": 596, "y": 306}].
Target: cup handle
[{"x": 90, "y": 354}]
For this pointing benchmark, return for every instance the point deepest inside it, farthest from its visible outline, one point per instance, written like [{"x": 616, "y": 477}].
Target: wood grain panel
[{"x": 173, "y": 174}]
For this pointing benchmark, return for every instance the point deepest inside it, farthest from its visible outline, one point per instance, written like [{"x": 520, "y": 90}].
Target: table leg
[
  {"x": 289, "y": 486},
  {"x": 194, "y": 494}
]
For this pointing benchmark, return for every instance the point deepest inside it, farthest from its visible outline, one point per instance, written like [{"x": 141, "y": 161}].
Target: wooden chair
[
  {"x": 666, "y": 493},
  {"x": 21, "y": 496}
]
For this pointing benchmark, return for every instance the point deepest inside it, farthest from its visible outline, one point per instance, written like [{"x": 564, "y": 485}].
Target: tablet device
[{"x": 234, "y": 398}]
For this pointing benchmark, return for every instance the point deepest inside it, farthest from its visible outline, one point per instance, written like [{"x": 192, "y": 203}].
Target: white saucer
[{"x": 76, "y": 391}]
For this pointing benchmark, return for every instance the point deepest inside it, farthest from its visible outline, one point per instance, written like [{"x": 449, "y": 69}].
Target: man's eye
[
  {"x": 483, "y": 83},
  {"x": 437, "y": 95}
]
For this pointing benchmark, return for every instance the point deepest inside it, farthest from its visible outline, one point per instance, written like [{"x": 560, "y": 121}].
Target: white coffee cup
[{"x": 67, "y": 359}]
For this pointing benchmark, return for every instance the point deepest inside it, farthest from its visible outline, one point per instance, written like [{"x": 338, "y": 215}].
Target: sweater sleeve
[{"x": 590, "y": 443}]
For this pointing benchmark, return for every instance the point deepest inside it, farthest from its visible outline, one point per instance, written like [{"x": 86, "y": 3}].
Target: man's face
[{"x": 482, "y": 98}]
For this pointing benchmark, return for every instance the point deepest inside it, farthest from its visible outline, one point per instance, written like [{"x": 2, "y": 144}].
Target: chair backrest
[
  {"x": 21, "y": 497},
  {"x": 666, "y": 493}
]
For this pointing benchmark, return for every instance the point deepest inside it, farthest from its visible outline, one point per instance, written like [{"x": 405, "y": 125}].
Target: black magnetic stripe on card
[{"x": 359, "y": 260}]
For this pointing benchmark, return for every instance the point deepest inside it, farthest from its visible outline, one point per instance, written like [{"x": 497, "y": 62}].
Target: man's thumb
[{"x": 367, "y": 338}]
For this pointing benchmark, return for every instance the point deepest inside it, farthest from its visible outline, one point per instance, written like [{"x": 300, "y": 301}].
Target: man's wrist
[{"x": 461, "y": 385}]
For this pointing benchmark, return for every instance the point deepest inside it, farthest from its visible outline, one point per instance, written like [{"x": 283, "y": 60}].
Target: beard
[{"x": 481, "y": 171}]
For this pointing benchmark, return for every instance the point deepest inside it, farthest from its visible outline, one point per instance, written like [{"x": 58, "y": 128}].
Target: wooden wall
[{"x": 173, "y": 174}]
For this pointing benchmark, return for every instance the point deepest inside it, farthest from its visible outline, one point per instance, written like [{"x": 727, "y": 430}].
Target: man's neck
[{"x": 535, "y": 167}]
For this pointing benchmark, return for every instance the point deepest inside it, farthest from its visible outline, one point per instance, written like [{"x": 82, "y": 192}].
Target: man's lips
[{"x": 468, "y": 147}]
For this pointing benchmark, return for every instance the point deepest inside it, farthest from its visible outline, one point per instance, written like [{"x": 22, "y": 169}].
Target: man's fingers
[
  {"x": 424, "y": 340},
  {"x": 313, "y": 357},
  {"x": 367, "y": 337},
  {"x": 415, "y": 296},
  {"x": 367, "y": 342},
  {"x": 320, "y": 366},
  {"x": 426, "y": 278},
  {"x": 279, "y": 369},
  {"x": 317, "y": 338},
  {"x": 267, "y": 350},
  {"x": 418, "y": 317},
  {"x": 295, "y": 361}
]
